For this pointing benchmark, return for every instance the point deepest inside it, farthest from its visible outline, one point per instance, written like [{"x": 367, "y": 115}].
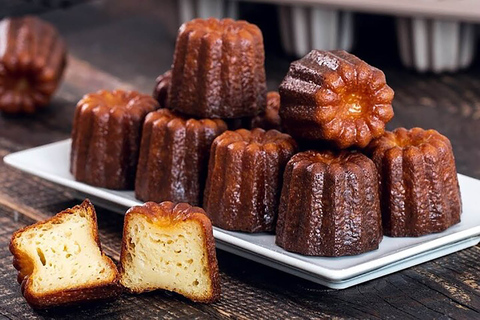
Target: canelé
[
  {"x": 335, "y": 97},
  {"x": 418, "y": 182},
  {"x": 174, "y": 157},
  {"x": 32, "y": 60},
  {"x": 329, "y": 204},
  {"x": 218, "y": 69},
  {"x": 244, "y": 178},
  {"x": 106, "y": 132}
]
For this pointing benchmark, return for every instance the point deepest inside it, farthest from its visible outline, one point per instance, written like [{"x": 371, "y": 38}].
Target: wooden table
[{"x": 129, "y": 51}]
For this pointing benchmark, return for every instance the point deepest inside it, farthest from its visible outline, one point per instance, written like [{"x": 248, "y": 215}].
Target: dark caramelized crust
[
  {"x": 162, "y": 85},
  {"x": 32, "y": 60},
  {"x": 329, "y": 205},
  {"x": 269, "y": 119},
  {"x": 174, "y": 157},
  {"x": 244, "y": 178},
  {"x": 218, "y": 69},
  {"x": 169, "y": 214},
  {"x": 106, "y": 137},
  {"x": 418, "y": 182},
  {"x": 335, "y": 96}
]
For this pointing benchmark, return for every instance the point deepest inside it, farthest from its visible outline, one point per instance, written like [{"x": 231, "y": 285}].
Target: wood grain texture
[{"x": 447, "y": 287}]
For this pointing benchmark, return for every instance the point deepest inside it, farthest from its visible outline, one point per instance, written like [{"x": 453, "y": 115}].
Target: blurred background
[
  {"x": 425, "y": 36},
  {"x": 427, "y": 49}
]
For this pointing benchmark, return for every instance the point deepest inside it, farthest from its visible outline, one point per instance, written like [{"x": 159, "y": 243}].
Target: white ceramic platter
[{"x": 51, "y": 162}]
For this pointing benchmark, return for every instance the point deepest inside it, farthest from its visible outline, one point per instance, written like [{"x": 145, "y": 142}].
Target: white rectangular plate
[{"x": 51, "y": 162}]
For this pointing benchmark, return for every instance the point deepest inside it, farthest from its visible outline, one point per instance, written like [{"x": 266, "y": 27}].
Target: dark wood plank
[{"x": 123, "y": 52}]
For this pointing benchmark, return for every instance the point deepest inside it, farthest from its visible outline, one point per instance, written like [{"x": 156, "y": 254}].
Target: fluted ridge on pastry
[
  {"x": 244, "y": 178},
  {"x": 329, "y": 204},
  {"x": 218, "y": 69},
  {"x": 174, "y": 156},
  {"x": 106, "y": 134},
  {"x": 418, "y": 182}
]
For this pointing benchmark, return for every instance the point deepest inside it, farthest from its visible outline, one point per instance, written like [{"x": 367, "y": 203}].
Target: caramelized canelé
[
  {"x": 329, "y": 204},
  {"x": 32, "y": 60},
  {"x": 218, "y": 69},
  {"x": 106, "y": 137},
  {"x": 418, "y": 182},
  {"x": 336, "y": 97},
  {"x": 244, "y": 178}
]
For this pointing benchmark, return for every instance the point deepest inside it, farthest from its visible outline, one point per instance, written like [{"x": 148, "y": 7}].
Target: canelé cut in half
[
  {"x": 329, "y": 205},
  {"x": 244, "y": 178},
  {"x": 169, "y": 246},
  {"x": 218, "y": 69},
  {"x": 106, "y": 137},
  {"x": 174, "y": 155},
  {"x": 418, "y": 182},
  {"x": 336, "y": 97},
  {"x": 32, "y": 60},
  {"x": 60, "y": 260}
]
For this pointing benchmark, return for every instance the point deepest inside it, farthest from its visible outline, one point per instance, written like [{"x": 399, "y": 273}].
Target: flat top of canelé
[
  {"x": 403, "y": 138},
  {"x": 220, "y": 27},
  {"x": 256, "y": 136},
  {"x": 348, "y": 98},
  {"x": 167, "y": 213},
  {"x": 118, "y": 100},
  {"x": 166, "y": 116},
  {"x": 328, "y": 157}
]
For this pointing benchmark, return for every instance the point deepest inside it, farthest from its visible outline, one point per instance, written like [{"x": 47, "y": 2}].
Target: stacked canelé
[
  {"x": 217, "y": 77},
  {"x": 335, "y": 202},
  {"x": 219, "y": 140},
  {"x": 330, "y": 204}
]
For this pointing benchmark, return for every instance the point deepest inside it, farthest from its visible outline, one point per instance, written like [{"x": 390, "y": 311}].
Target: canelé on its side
[{"x": 335, "y": 97}]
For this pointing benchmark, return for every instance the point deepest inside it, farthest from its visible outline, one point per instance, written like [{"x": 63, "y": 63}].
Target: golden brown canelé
[
  {"x": 329, "y": 204},
  {"x": 244, "y": 178},
  {"x": 106, "y": 135},
  {"x": 336, "y": 97},
  {"x": 174, "y": 155},
  {"x": 162, "y": 85},
  {"x": 269, "y": 119},
  {"x": 218, "y": 69},
  {"x": 418, "y": 182},
  {"x": 32, "y": 60}
]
